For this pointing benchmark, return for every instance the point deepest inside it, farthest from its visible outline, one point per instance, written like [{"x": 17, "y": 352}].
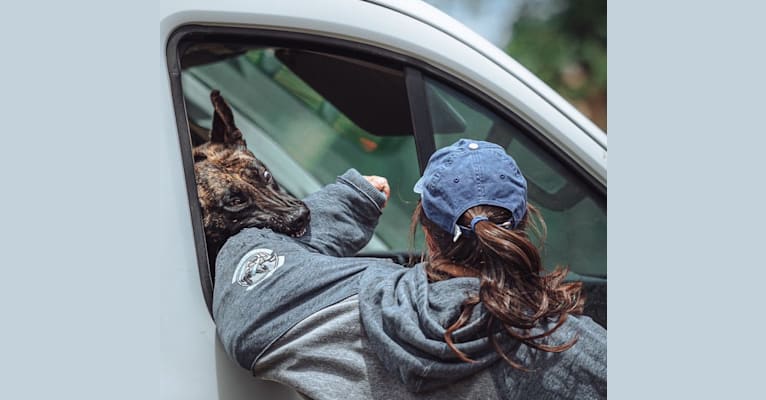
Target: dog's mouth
[{"x": 300, "y": 232}]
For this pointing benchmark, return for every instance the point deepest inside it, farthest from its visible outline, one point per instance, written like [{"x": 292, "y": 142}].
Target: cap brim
[{"x": 419, "y": 186}]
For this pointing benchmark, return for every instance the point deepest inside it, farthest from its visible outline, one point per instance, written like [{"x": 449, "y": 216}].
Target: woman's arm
[{"x": 344, "y": 214}]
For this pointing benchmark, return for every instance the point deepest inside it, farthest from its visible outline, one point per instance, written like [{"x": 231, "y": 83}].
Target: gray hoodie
[{"x": 304, "y": 313}]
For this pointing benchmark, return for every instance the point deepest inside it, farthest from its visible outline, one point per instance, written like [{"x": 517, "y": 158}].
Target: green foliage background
[{"x": 567, "y": 50}]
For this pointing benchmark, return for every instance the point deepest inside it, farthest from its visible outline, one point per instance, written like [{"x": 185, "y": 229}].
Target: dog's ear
[{"x": 224, "y": 130}]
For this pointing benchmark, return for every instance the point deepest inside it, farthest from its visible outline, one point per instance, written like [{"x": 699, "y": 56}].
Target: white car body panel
[{"x": 193, "y": 363}]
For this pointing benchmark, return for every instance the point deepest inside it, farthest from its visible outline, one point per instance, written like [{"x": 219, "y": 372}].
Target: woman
[{"x": 475, "y": 320}]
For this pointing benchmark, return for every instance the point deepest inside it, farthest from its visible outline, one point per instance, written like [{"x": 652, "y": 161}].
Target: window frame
[{"x": 415, "y": 72}]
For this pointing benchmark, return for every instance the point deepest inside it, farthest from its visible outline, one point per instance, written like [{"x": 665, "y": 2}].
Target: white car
[{"x": 321, "y": 86}]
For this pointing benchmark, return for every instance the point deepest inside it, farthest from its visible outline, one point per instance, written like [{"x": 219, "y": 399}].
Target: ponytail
[{"x": 512, "y": 288}]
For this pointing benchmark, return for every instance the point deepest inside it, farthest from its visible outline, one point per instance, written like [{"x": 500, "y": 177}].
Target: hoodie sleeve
[{"x": 343, "y": 215}]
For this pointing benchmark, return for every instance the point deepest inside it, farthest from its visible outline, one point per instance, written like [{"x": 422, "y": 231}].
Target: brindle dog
[{"x": 236, "y": 190}]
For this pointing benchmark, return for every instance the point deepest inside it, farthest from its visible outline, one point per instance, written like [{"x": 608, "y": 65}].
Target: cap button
[{"x": 473, "y": 146}]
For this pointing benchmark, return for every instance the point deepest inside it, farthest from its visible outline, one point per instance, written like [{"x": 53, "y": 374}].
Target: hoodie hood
[{"x": 405, "y": 318}]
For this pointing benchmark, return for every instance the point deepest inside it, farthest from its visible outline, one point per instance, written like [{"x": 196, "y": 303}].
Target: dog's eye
[
  {"x": 267, "y": 176},
  {"x": 236, "y": 198},
  {"x": 235, "y": 203}
]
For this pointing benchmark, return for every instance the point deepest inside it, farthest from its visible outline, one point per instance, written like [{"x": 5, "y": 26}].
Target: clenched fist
[{"x": 381, "y": 184}]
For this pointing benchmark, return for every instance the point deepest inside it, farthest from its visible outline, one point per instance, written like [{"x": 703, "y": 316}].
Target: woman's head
[
  {"x": 470, "y": 173},
  {"x": 476, "y": 219}
]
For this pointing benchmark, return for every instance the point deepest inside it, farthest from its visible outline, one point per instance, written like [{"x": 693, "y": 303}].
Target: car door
[{"x": 311, "y": 107}]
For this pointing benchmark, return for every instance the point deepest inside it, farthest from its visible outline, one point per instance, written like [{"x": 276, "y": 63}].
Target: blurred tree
[{"x": 567, "y": 50}]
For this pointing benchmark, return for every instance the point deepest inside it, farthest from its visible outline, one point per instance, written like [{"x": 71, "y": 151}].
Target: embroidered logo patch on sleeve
[{"x": 255, "y": 266}]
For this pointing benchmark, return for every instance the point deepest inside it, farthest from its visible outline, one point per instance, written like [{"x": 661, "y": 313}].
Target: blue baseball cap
[{"x": 466, "y": 174}]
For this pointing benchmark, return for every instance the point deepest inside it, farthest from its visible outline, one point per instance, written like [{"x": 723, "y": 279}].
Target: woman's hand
[{"x": 381, "y": 184}]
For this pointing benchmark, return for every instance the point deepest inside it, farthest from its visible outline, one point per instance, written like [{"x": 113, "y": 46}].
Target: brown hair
[{"x": 512, "y": 289}]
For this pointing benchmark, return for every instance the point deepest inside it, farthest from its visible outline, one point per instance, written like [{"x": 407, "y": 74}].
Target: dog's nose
[{"x": 303, "y": 217}]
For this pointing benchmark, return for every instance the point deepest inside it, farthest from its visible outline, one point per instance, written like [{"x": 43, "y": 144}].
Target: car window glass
[
  {"x": 575, "y": 214},
  {"x": 306, "y": 139}
]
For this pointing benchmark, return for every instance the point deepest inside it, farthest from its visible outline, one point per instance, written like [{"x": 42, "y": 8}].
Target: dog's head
[{"x": 235, "y": 189}]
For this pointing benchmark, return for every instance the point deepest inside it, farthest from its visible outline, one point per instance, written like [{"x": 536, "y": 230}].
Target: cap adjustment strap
[{"x": 476, "y": 220}]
